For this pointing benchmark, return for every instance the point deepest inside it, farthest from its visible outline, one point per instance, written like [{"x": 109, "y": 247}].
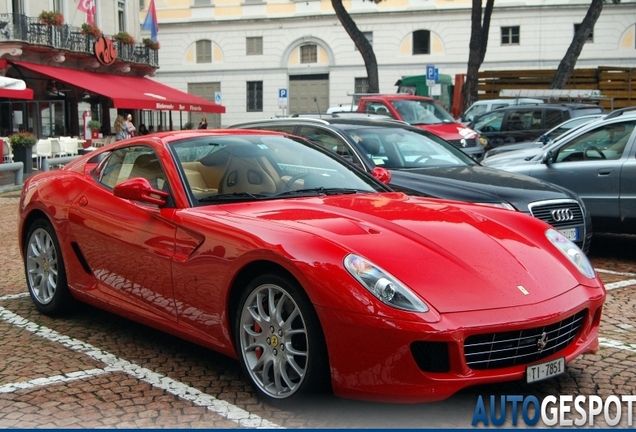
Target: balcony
[{"x": 20, "y": 29}]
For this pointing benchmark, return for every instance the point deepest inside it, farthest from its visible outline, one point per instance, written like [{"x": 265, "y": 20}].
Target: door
[
  {"x": 308, "y": 94},
  {"x": 590, "y": 165},
  {"x": 128, "y": 245},
  {"x": 205, "y": 91}
]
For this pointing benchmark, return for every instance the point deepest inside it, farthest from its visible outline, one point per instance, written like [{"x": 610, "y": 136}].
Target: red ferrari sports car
[{"x": 311, "y": 273}]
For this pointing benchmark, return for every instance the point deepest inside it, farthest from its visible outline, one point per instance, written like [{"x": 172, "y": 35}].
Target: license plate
[
  {"x": 541, "y": 371},
  {"x": 570, "y": 233}
]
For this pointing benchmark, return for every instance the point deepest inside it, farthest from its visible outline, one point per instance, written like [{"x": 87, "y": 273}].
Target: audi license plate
[
  {"x": 571, "y": 234},
  {"x": 541, "y": 371}
]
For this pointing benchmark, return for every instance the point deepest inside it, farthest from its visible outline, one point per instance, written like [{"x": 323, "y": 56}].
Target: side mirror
[
  {"x": 140, "y": 189},
  {"x": 543, "y": 139},
  {"x": 382, "y": 174},
  {"x": 547, "y": 157}
]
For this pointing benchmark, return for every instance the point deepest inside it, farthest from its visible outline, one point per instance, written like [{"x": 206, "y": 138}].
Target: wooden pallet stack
[{"x": 617, "y": 85}]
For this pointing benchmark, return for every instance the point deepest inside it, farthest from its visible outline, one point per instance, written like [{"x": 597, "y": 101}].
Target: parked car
[
  {"x": 342, "y": 108},
  {"x": 425, "y": 113},
  {"x": 526, "y": 122},
  {"x": 558, "y": 132},
  {"x": 597, "y": 161},
  {"x": 423, "y": 164},
  {"x": 281, "y": 254},
  {"x": 486, "y": 105}
]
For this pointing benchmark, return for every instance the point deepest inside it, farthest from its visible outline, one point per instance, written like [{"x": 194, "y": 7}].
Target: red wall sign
[{"x": 105, "y": 51}]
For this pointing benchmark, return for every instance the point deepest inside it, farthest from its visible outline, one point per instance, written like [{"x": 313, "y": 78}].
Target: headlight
[
  {"x": 572, "y": 252},
  {"x": 483, "y": 140},
  {"x": 503, "y": 205},
  {"x": 382, "y": 285}
]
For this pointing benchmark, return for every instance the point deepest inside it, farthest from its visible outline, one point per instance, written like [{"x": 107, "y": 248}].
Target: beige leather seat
[
  {"x": 147, "y": 166},
  {"x": 248, "y": 175}
]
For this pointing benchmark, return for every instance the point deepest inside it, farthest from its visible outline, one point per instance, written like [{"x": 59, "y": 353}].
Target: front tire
[
  {"x": 44, "y": 270},
  {"x": 279, "y": 340}
]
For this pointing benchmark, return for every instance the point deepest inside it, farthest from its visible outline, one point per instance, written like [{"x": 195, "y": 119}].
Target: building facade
[{"x": 244, "y": 52}]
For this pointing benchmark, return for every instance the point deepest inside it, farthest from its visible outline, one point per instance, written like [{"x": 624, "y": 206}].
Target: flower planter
[{"x": 24, "y": 155}]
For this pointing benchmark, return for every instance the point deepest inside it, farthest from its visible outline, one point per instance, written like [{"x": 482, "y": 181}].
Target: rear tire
[
  {"x": 279, "y": 341},
  {"x": 44, "y": 270}
]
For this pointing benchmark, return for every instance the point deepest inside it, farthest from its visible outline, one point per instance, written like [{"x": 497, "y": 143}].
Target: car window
[
  {"x": 490, "y": 122},
  {"x": 519, "y": 120},
  {"x": 327, "y": 140},
  {"x": 277, "y": 128},
  {"x": 373, "y": 107},
  {"x": 566, "y": 126},
  {"x": 131, "y": 162},
  {"x": 475, "y": 111},
  {"x": 553, "y": 118},
  {"x": 605, "y": 142}
]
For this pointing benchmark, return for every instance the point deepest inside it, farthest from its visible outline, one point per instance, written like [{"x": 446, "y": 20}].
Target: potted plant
[
  {"x": 188, "y": 125},
  {"x": 124, "y": 37},
  {"x": 150, "y": 44},
  {"x": 22, "y": 146},
  {"x": 92, "y": 30},
  {"x": 94, "y": 126},
  {"x": 51, "y": 18}
]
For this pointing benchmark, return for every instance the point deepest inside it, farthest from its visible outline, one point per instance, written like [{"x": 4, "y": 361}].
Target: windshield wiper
[
  {"x": 320, "y": 191},
  {"x": 236, "y": 196}
]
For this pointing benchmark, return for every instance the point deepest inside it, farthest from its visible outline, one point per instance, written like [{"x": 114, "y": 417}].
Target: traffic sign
[
  {"x": 430, "y": 72},
  {"x": 217, "y": 97},
  {"x": 282, "y": 98}
]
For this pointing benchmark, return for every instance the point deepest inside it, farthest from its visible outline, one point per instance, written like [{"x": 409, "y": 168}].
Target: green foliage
[
  {"x": 94, "y": 125},
  {"x": 188, "y": 125},
  {"x": 51, "y": 18},
  {"x": 22, "y": 140},
  {"x": 124, "y": 38}
]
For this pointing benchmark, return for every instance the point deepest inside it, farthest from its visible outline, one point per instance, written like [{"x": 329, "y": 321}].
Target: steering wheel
[
  {"x": 291, "y": 181},
  {"x": 488, "y": 129},
  {"x": 420, "y": 158},
  {"x": 594, "y": 149}
]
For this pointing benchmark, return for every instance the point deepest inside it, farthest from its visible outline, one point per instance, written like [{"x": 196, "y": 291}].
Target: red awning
[
  {"x": 16, "y": 94},
  {"x": 129, "y": 92}
]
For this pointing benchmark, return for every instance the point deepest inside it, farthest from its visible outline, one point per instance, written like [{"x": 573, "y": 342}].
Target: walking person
[{"x": 120, "y": 128}]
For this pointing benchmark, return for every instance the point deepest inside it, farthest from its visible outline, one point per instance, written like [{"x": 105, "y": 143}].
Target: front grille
[
  {"x": 498, "y": 350},
  {"x": 558, "y": 213},
  {"x": 469, "y": 143}
]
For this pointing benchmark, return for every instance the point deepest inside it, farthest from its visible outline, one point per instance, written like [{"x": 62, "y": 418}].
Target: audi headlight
[
  {"x": 382, "y": 285},
  {"x": 503, "y": 205},
  {"x": 572, "y": 252}
]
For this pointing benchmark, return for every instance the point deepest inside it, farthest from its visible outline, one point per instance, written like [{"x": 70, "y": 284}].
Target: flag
[
  {"x": 150, "y": 23},
  {"x": 88, "y": 7}
]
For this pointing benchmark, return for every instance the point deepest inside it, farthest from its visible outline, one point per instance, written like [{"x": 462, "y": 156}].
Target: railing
[{"x": 21, "y": 28}]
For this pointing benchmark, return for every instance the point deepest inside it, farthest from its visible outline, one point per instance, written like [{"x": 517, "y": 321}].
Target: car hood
[
  {"x": 476, "y": 184},
  {"x": 512, "y": 158},
  {"x": 457, "y": 257}
]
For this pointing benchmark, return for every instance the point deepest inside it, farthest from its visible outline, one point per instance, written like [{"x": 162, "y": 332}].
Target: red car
[
  {"x": 310, "y": 272},
  {"x": 425, "y": 113}
]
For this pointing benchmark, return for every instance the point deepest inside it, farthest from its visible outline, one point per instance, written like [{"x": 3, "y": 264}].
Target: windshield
[
  {"x": 567, "y": 126},
  {"x": 248, "y": 167},
  {"x": 396, "y": 148},
  {"x": 422, "y": 112}
]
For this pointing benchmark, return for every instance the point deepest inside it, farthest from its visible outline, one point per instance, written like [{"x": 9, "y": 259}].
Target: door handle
[{"x": 604, "y": 172}]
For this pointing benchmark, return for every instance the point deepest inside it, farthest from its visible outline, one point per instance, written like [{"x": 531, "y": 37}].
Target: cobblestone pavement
[{"x": 93, "y": 369}]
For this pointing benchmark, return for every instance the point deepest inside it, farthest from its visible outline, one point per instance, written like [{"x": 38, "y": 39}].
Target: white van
[{"x": 483, "y": 106}]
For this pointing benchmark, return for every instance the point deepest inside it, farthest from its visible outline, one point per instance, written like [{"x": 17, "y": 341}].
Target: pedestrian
[
  {"x": 159, "y": 128},
  {"x": 142, "y": 129},
  {"x": 151, "y": 129},
  {"x": 203, "y": 124},
  {"x": 120, "y": 128},
  {"x": 131, "y": 127}
]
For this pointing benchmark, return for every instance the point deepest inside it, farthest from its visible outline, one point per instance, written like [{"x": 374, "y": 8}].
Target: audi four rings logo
[{"x": 562, "y": 215}]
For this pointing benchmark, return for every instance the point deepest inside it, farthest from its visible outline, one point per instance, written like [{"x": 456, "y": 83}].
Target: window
[
  {"x": 590, "y": 37},
  {"x": 254, "y": 96},
  {"x": 510, "y": 35},
  {"x": 606, "y": 142},
  {"x": 421, "y": 42},
  {"x": 254, "y": 45},
  {"x": 369, "y": 36},
  {"x": 309, "y": 53},
  {"x": 131, "y": 162},
  {"x": 57, "y": 6},
  {"x": 121, "y": 15},
  {"x": 201, "y": 2},
  {"x": 361, "y": 85},
  {"x": 204, "y": 51}
]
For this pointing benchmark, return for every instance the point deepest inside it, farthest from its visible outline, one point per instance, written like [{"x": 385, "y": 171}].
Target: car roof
[{"x": 330, "y": 119}]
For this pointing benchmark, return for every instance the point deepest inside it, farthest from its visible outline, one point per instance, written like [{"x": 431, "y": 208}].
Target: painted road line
[
  {"x": 116, "y": 364},
  {"x": 616, "y": 273},
  {"x": 14, "y": 296},
  {"x": 620, "y": 284},
  {"x": 56, "y": 379},
  {"x": 609, "y": 343}
]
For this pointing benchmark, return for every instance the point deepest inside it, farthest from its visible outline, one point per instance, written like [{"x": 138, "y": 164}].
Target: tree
[
  {"x": 361, "y": 42},
  {"x": 477, "y": 49},
  {"x": 566, "y": 66}
]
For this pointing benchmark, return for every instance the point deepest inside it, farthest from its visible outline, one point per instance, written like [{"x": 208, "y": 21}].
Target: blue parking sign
[
  {"x": 282, "y": 93},
  {"x": 430, "y": 72}
]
